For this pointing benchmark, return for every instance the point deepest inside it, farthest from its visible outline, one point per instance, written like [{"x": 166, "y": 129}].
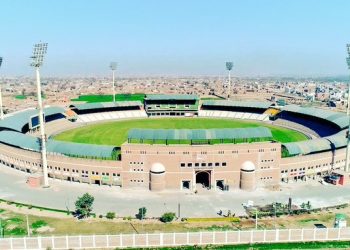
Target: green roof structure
[
  {"x": 243, "y": 104},
  {"x": 199, "y": 134},
  {"x": 101, "y": 105},
  {"x": 32, "y": 143},
  {"x": 16, "y": 121},
  {"x": 316, "y": 145},
  {"x": 338, "y": 118}
]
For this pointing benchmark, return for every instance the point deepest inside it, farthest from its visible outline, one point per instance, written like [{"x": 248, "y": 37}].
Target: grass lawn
[
  {"x": 296, "y": 245},
  {"x": 109, "y": 98},
  {"x": 115, "y": 133},
  {"x": 21, "y": 97}
]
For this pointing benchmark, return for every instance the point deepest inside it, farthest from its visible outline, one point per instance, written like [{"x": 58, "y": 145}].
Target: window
[
  {"x": 224, "y": 164},
  {"x": 183, "y": 165},
  {"x": 217, "y": 164},
  {"x": 189, "y": 165},
  {"x": 196, "y": 164},
  {"x": 203, "y": 164}
]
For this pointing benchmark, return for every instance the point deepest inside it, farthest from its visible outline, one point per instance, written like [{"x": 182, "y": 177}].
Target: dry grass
[{"x": 72, "y": 226}]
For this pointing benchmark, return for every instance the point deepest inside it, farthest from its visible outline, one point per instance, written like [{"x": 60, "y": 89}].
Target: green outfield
[{"x": 115, "y": 133}]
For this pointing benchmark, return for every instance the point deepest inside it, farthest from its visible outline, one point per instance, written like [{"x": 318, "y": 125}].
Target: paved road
[{"x": 63, "y": 194}]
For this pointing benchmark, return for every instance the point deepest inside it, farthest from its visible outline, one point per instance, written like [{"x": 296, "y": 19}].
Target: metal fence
[{"x": 176, "y": 239}]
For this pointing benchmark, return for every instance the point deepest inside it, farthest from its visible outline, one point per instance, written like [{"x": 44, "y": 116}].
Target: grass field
[
  {"x": 115, "y": 133},
  {"x": 21, "y": 97},
  {"x": 109, "y": 98}
]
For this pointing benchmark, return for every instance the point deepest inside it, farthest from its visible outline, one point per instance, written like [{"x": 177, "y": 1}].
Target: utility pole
[
  {"x": 229, "y": 66},
  {"x": 346, "y": 168},
  {"x": 28, "y": 229},
  {"x": 1, "y": 107},
  {"x": 38, "y": 56},
  {"x": 113, "y": 67}
]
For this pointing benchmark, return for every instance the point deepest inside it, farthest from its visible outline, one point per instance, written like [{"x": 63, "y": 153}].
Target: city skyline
[{"x": 148, "y": 38}]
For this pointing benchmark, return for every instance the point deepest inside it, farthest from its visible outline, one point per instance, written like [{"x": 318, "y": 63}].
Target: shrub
[
  {"x": 39, "y": 223},
  {"x": 167, "y": 217},
  {"x": 142, "y": 213},
  {"x": 110, "y": 215},
  {"x": 100, "y": 216}
]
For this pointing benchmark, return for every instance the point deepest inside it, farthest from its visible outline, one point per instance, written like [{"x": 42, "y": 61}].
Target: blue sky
[{"x": 177, "y": 38}]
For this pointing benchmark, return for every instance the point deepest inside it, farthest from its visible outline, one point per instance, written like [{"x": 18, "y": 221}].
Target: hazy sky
[{"x": 178, "y": 37}]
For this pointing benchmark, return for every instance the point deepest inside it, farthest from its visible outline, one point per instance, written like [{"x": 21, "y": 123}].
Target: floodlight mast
[
  {"x": 1, "y": 107},
  {"x": 39, "y": 52},
  {"x": 113, "y": 67},
  {"x": 346, "y": 169},
  {"x": 229, "y": 66}
]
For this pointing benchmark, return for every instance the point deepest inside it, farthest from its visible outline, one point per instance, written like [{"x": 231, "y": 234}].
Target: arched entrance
[{"x": 203, "y": 178}]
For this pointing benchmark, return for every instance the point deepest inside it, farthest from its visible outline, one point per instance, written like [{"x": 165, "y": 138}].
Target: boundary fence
[{"x": 175, "y": 239}]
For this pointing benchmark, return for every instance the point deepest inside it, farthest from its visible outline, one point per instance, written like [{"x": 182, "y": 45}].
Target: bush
[
  {"x": 110, "y": 215},
  {"x": 142, "y": 213},
  {"x": 100, "y": 216},
  {"x": 167, "y": 217},
  {"x": 39, "y": 223},
  {"x": 127, "y": 218}
]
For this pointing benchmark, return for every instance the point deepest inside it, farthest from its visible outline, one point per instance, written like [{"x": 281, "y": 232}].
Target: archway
[{"x": 203, "y": 178}]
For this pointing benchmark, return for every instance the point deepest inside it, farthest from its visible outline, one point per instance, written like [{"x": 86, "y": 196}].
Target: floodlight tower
[
  {"x": 39, "y": 52},
  {"x": 229, "y": 66},
  {"x": 348, "y": 112},
  {"x": 113, "y": 67},
  {"x": 1, "y": 107}
]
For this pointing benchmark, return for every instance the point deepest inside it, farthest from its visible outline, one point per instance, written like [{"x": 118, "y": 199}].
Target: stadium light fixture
[
  {"x": 113, "y": 67},
  {"x": 346, "y": 168},
  {"x": 229, "y": 66},
  {"x": 39, "y": 52},
  {"x": 1, "y": 107}
]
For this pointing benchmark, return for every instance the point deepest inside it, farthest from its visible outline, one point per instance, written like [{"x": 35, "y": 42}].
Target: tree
[
  {"x": 83, "y": 205},
  {"x": 110, "y": 215},
  {"x": 168, "y": 217},
  {"x": 308, "y": 205},
  {"x": 142, "y": 213}
]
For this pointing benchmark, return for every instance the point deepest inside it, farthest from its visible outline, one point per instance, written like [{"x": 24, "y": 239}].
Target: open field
[
  {"x": 109, "y": 98},
  {"x": 13, "y": 220},
  {"x": 115, "y": 133}
]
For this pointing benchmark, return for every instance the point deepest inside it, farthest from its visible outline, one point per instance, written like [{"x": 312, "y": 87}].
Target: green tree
[
  {"x": 83, "y": 205},
  {"x": 110, "y": 215},
  {"x": 168, "y": 217},
  {"x": 142, "y": 213}
]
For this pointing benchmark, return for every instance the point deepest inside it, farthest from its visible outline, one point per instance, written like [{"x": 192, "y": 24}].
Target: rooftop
[
  {"x": 101, "y": 105},
  {"x": 244, "y": 104},
  {"x": 171, "y": 97},
  {"x": 199, "y": 134}
]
